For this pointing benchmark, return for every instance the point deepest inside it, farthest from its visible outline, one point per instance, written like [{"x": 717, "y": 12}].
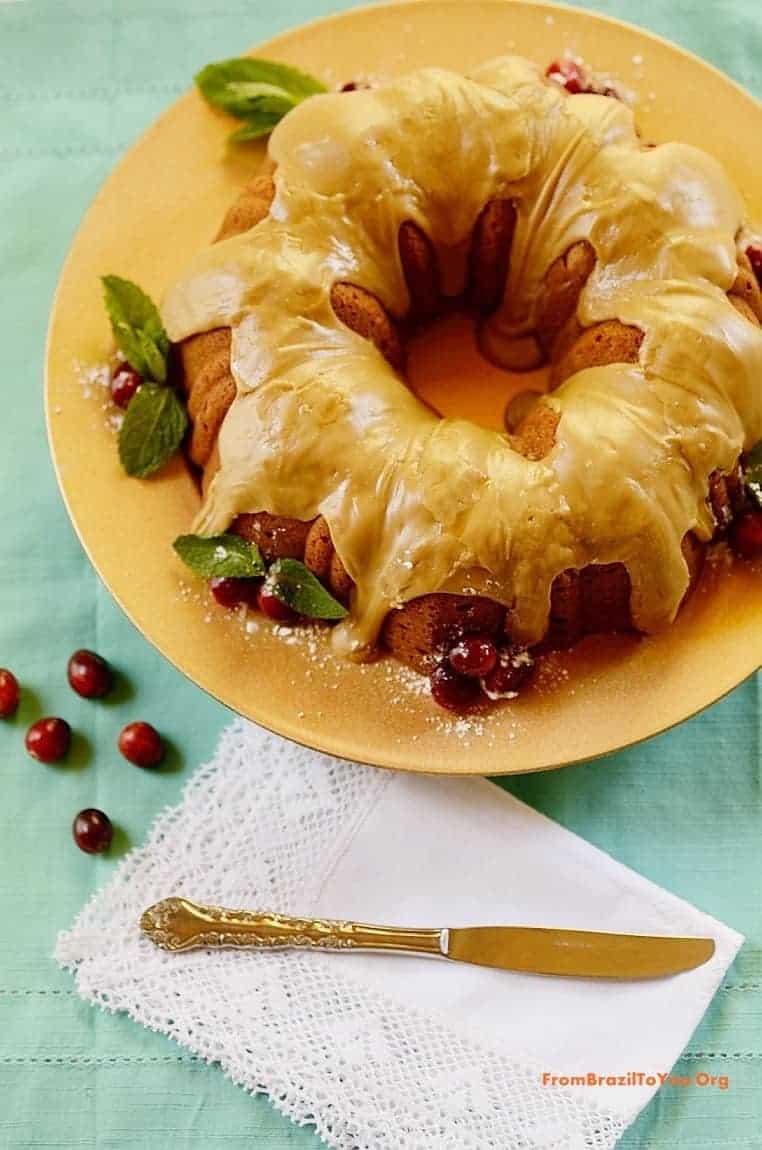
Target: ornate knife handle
[{"x": 179, "y": 924}]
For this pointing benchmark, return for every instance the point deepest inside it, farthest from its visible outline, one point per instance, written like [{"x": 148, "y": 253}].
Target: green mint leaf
[
  {"x": 154, "y": 359},
  {"x": 260, "y": 92},
  {"x": 253, "y": 129},
  {"x": 753, "y": 458},
  {"x": 231, "y": 84},
  {"x": 752, "y": 473},
  {"x": 265, "y": 111},
  {"x": 294, "y": 584},
  {"x": 255, "y": 93},
  {"x": 220, "y": 556},
  {"x": 153, "y": 429},
  {"x": 137, "y": 327}
]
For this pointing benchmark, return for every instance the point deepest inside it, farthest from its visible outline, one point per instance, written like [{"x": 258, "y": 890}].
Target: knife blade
[
  {"x": 578, "y": 953},
  {"x": 178, "y": 924}
]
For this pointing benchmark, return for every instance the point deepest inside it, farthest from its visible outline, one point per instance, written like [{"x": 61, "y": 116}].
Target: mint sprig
[
  {"x": 220, "y": 556},
  {"x": 230, "y": 556},
  {"x": 752, "y": 473},
  {"x": 258, "y": 92},
  {"x": 137, "y": 327},
  {"x": 155, "y": 422},
  {"x": 153, "y": 429},
  {"x": 294, "y": 584}
]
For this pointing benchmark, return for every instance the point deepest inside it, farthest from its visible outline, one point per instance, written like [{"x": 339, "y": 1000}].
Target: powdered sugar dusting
[
  {"x": 95, "y": 381},
  {"x": 551, "y": 674},
  {"x": 402, "y": 688}
]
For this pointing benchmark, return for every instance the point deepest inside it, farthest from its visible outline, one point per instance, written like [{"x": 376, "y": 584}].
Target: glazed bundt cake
[{"x": 574, "y": 243}]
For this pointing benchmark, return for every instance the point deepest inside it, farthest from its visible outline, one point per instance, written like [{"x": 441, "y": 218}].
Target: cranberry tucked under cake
[{"x": 619, "y": 264}]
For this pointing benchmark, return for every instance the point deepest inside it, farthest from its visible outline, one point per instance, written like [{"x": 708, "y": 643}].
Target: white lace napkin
[{"x": 384, "y": 1051}]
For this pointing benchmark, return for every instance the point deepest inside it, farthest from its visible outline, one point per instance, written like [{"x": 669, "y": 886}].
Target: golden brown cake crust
[
  {"x": 518, "y": 408},
  {"x": 490, "y": 254},
  {"x": 592, "y": 600},
  {"x": 210, "y": 387},
  {"x": 536, "y": 434},
  {"x": 608, "y": 342},
  {"x": 361, "y": 311},
  {"x": 318, "y": 549},
  {"x": 339, "y": 581},
  {"x": 596, "y": 599},
  {"x": 563, "y": 283},
  {"x": 205, "y": 358},
  {"x": 321, "y": 558},
  {"x": 252, "y": 205},
  {"x": 421, "y": 268},
  {"x": 276, "y": 536},
  {"x": 415, "y": 632}
]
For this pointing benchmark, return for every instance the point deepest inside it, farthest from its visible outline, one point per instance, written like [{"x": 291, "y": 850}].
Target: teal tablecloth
[{"x": 79, "y": 82}]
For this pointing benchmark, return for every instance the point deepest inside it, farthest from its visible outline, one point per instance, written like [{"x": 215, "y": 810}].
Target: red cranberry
[
  {"x": 569, "y": 75},
  {"x": 92, "y": 831},
  {"x": 233, "y": 592},
  {"x": 124, "y": 383},
  {"x": 755, "y": 259},
  {"x": 89, "y": 675},
  {"x": 354, "y": 86},
  {"x": 473, "y": 656},
  {"x": 746, "y": 534},
  {"x": 514, "y": 667},
  {"x": 10, "y": 694},
  {"x": 48, "y": 740},
  {"x": 452, "y": 691},
  {"x": 141, "y": 744},
  {"x": 273, "y": 607}
]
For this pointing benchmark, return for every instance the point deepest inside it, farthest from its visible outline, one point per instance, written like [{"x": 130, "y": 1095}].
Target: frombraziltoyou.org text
[{"x": 700, "y": 1079}]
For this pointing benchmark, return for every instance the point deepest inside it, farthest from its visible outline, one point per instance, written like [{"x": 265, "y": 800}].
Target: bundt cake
[{"x": 620, "y": 264}]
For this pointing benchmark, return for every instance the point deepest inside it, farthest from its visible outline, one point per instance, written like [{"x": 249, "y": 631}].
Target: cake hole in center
[{"x": 448, "y": 372}]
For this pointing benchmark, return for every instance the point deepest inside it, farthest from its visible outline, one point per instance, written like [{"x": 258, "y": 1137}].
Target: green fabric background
[{"x": 79, "y": 82}]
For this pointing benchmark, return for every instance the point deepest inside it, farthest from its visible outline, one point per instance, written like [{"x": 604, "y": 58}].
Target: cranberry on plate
[
  {"x": 513, "y": 668},
  {"x": 10, "y": 694},
  {"x": 569, "y": 75},
  {"x": 92, "y": 831},
  {"x": 124, "y": 383},
  {"x": 473, "y": 656},
  {"x": 89, "y": 675},
  {"x": 48, "y": 740},
  {"x": 141, "y": 744},
  {"x": 746, "y": 534},
  {"x": 230, "y": 592},
  {"x": 273, "y": 607},
  {"x": 452, "y": 691},
  {"x": 575, "y": 78}
]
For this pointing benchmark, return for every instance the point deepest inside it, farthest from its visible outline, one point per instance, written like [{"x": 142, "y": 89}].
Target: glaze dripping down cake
[{"x": 620, "y": 264}]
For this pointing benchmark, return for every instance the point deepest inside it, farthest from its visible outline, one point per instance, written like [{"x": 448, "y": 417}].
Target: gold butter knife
[{"x": 179, "y": 924}]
